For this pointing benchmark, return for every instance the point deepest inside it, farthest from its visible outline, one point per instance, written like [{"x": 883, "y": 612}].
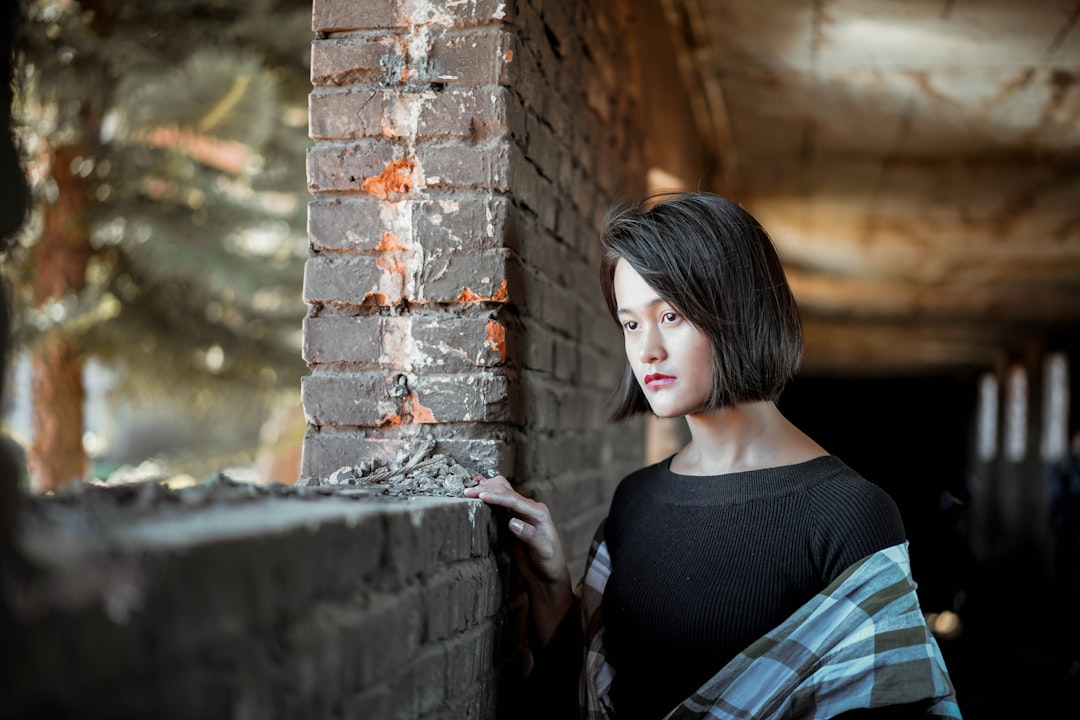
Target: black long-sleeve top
[{"x": 701, "y": 566}]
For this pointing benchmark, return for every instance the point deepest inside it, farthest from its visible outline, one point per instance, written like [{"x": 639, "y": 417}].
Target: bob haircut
[{"x": 714, "y": 263}]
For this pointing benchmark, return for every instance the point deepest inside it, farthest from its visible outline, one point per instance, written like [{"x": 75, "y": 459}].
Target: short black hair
[{"x": 713, "y": 262}]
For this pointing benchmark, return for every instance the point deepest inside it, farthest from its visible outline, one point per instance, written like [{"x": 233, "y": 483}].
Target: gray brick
[
  {"x": 340, "y": 15},
  {"x": 357, "y": 60},
  {"x": 353, "y": 399},
  {"x": 465, "y": 277},
  {"x": 457, "y": 165},
  {"x": 464, "y": 220},
  {"x": 478, "y": 114},
  {"x": 346, "y": 166},
  {"x": 334, "y": 339},
  {"x": 344, "y": 223},
  {"x": 330, "y": 15},
  {"x": 438, "y": 342},
  {"x": 347, "y": 115},
  {"x": 458, "y": 343},
  {"x": 478, "y": 447},
  {"x": 358, "y": 280},
  {"x": 474, "y": 397},
  {"x": 475, "y": 57}
]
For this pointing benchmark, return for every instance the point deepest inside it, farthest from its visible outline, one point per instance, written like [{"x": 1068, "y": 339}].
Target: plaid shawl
[{"x": 861, "y": 642}]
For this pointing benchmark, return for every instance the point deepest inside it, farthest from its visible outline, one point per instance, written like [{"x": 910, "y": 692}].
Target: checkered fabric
[{"x": 860, "y": 643}]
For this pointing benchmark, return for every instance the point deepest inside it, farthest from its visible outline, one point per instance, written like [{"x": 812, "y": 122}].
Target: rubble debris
[{"x": 415, "y": 470}]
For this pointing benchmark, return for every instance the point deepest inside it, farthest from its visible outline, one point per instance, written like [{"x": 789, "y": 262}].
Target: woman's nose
[{"x": 652, "y": 346}]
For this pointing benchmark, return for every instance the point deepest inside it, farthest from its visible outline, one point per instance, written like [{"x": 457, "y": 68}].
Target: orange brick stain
[
  {"x": 419, "y": 414},
  {"x": 397, "y": 348},
  {"x": 409, "y": 412},
  {"x": 397, "y": 177},
  {"x": 389, "y": 260},
  {"x": 391, "y": 265},
  {"x": 496, "y": 338},
  {"x": 394, "y": 419},
  {"x": 390, "y": 242},
  {"x": 374, "y": 299},
  {"x": 468, "y": 296}
]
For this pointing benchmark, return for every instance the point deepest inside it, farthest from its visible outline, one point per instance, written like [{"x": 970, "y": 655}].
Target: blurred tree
[{"x": 165, "y": 146}]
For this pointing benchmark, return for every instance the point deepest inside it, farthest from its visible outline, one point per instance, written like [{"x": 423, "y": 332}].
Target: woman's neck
[{"x": 749, "y": 436}]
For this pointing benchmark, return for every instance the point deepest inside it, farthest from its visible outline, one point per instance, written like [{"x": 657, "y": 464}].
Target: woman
[{"x": 750, "y": 574}]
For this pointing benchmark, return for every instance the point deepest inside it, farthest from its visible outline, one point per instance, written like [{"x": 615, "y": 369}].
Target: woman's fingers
[
  {"x": 486, "y": 484},
  {"x": 539, "y": 552},
  {"x": 529, "y": 510},
  {"x": 498, "y": 491},
  {"x": 530, "y": 522}
]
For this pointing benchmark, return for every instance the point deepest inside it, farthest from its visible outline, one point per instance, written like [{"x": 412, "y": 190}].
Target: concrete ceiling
[{"x": 916, "y": 161}]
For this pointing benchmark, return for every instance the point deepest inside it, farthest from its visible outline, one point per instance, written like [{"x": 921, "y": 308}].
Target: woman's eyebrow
[{"x": 651, "y": 304}]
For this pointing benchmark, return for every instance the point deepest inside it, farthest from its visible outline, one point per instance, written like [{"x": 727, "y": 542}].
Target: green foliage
[{"x": 195, "y": 116}]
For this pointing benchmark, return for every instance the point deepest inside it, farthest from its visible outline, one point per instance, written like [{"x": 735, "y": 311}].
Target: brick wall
[
  {"x": 256, "y": 607},
  {"x": 463, "y": 154}
]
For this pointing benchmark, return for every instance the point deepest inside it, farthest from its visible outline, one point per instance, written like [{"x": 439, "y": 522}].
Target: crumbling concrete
[
  {"x": 328, "y": 598},
  {"x": 416, "y": 470}
]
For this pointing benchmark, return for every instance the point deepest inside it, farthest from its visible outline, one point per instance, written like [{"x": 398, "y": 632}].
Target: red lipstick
[{"x": 657, "y": 380}]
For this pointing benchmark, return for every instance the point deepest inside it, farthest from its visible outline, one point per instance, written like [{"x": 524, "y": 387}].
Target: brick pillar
[
  {"x": 464, "y": 154},
  {"x": 409, "y": 271}
]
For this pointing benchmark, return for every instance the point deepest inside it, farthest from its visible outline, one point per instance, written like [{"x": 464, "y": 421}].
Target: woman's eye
[
  {"x": 670, "y": 316},
  {"x": 630, "y": 325}
]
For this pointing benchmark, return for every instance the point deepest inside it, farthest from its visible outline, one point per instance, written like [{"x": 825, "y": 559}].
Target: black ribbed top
[{"x": 704, "y": 565}]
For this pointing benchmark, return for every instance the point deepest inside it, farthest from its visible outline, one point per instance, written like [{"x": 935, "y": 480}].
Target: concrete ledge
[{"x": 266, "y": 607}]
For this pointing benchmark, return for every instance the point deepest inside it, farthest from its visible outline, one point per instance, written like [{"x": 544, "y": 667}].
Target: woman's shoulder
[
  {"x": 854, "y": 516},
  {"x": 635, "y": 481},
  {"x": 837, "y": 482},
  {"x": 635, "y": 487}
]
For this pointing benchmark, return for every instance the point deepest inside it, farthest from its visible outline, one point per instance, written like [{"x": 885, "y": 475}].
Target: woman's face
[{"x": 671, "y": 357}]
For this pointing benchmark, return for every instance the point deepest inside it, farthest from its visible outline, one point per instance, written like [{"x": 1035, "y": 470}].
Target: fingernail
[{"x": 516, "y": 525}]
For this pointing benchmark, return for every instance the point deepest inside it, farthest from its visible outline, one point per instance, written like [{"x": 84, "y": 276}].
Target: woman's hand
[{"x": 539, "y": 552}]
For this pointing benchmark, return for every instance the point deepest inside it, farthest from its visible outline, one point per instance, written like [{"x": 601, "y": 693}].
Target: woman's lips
[{"x": 656, "y": 380}]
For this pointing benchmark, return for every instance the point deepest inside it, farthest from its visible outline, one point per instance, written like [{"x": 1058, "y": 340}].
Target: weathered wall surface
[
  {"x": 463, "y": 156},
  {"x": 256, "y": 604}
]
